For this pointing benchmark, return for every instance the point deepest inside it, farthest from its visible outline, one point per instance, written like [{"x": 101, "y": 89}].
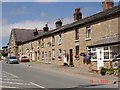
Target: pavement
[{"x": 76, "y": 71}]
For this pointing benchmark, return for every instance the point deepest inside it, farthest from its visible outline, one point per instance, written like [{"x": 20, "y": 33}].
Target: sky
[{"x": 37, "y": 14}]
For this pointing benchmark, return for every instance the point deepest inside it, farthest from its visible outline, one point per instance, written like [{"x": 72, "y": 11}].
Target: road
[{"x": 20, "y": 76}]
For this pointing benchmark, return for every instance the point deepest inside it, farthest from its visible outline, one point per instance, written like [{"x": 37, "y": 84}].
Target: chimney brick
[{"x": 107, "y": 4}]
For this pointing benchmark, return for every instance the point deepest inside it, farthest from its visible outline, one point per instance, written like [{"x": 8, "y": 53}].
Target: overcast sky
[{"x": 37, "y": 14}]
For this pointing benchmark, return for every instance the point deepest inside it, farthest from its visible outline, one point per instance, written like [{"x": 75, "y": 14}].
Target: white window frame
[
  {"x": 94, "y": 51},
  {"x": 53, "y": 40},
  {"x": 42, "y": 43},
  {"x": 60, "y": 39},
  {"x": 109, "y": 51},
  {"x": 59, "y": 53},
  {"x": 88, "y": 34}
]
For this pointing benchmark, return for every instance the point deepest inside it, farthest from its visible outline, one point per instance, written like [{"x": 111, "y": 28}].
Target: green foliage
[
  {"x": 103, "y": 71},
  {"x": 110, "y": 71}
]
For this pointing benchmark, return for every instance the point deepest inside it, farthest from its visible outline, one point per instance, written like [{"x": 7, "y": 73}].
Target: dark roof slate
[
  {"x": 96, "y": 17},
  {"x": 22, "y": 35},
  {"x": 107, "y": 40}
]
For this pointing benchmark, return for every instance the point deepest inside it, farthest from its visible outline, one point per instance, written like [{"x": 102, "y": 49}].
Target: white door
[
  {"x": 65, "y": 56},
  {"x": 100, "y": 62}
]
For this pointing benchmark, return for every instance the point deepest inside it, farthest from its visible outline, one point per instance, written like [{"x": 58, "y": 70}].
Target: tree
[{"x": 4, "y": 53}]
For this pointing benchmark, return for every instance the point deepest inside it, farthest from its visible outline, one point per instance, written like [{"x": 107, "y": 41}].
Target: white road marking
[
  {"x": 37, "y": 85},
  {"x": 4, "y": 76},
  {"x": 16, "y": 83},
  {"x": 6, "y": 79},
  {"x": 11, "y": 74},
  {"x": 7, "y": 87}
]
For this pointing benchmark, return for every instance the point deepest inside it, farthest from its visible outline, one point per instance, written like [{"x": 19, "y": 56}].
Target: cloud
[{"x": 30, "y": 24}]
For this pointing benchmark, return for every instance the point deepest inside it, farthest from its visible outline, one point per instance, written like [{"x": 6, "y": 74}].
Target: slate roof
[
  {"x": 22, "y": 35},
  {"x": 115, "y": 11},
  {"x": 113, "y": 39}
]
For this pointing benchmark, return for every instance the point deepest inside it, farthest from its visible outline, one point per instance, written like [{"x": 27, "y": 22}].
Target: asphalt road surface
[{"x": 20, "y": 76}]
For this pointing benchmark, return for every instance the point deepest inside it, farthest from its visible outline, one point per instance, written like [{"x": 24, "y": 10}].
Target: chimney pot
[
  {"x": 77, "y": 14},
  {"x": 58, "y": 23},
  {"x": 35, "y": 32},
  {"x": 107, "y": 4},
  {"x": 77, "y": 10},
  {"x": 46, "y": 28}
]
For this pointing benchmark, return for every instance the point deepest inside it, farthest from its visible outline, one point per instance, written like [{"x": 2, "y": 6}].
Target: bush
[
  {"x": 110, "y": 71},
  {"x": 103, "y": 71}
]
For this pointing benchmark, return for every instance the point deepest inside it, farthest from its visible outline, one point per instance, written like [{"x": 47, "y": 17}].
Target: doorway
[
  {"x": 35, "y": 56},
  {"x": 71, "y": 57}
]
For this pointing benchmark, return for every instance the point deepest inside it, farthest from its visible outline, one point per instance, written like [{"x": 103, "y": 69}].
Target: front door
[
  {"x": 100, "y": 62},
  {"x": 71, "y": 57},
  {"x": 35, "y": 59}
]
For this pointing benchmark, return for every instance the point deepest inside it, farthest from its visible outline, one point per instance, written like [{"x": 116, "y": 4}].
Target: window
[
  {"x": 60, "y": 39},
  {"x": 88, "y": 32},
  {"x": 76, "y": 34},
  {"x": 106, "y": 55},
  {"x": 46, "y": 54},
  {"x": 53, "y": 40},
  {"x": 59, "y": 54},
  {"x": 42, "y": 43},
  {"x": 94, "y": 53},
  {"x": 30, "y": 46},
  {"x": 106, "y": 52},
  {"x": 38, "y": 55},
  {"x": 42, "y": 55},
  {"x": 77, "y": 52},
  {"x": 39, "y": 42},
  {"x": 53, "y": 54},
  {"x": 114, "y": 49},
  {"x": 49, "y": 54}
]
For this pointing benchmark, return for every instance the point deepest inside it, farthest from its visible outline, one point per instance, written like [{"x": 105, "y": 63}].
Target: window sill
[
  {"x": 59, "y": 43},
  {"x": 107, "y": 60},
  {"x": 93, "y": 60},
  {"x": 76, "y": 40},
  {"x": 59, "y": 59},
  {"x": 87, "y": 39}
]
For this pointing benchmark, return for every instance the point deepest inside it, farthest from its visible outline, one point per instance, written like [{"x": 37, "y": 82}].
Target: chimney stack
[
  {"x": 58, "y": 23},
  {"x": 35, "y": 32},
  {"x": 77, "y": 14},
  {"x": 45, "y": 29},
  {"x": 107, "y": 4}
]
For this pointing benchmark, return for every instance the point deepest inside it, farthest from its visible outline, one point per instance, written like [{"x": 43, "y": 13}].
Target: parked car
[
  {"x": 24, "y": 59},
  {"x": 12, "y": 59}
]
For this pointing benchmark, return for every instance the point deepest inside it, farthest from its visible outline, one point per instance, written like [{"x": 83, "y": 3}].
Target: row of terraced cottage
[{"x": 98, "y": 34}]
